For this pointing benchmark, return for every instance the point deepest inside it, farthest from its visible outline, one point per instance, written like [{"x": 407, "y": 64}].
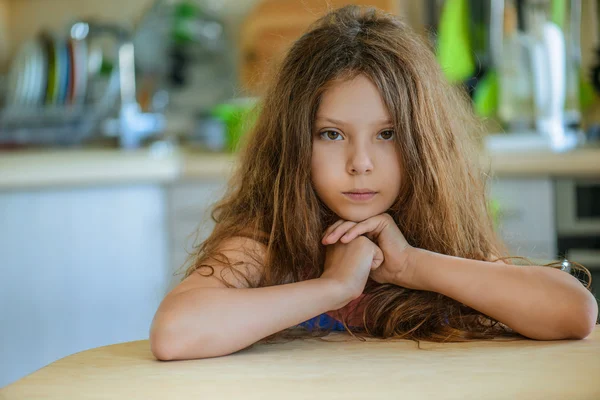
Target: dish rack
[{"x": 55, "y": 111}]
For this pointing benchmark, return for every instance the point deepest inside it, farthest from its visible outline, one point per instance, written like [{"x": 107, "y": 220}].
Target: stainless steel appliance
[{"x": 578, "y": 224}]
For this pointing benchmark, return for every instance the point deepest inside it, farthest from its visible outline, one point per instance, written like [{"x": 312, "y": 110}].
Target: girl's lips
[{"x": 360, "y": 196}]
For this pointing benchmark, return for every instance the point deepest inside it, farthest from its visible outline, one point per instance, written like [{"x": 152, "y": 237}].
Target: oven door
[
  {"x": 577, "y": 207},
  {"x": 578, "y": 224},
  {"x": 589, "y": 258}
]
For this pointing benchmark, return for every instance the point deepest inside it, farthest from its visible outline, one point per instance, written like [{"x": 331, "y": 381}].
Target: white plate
[
  {"x": 16, "y": 78},
  {"x": 41, "y": 73},
  {"x": 32, "y": 72},
  {"x": 26, "y": 75},
  {"x": 80, "y": 52},
  {"x": 36, "y": 61}
]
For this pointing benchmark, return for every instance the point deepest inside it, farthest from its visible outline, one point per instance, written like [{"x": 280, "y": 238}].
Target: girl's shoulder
[{"x": 236, "y": 262}]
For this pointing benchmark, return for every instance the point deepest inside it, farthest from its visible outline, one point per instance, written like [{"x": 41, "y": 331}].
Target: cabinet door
[
  {"x": 526, "y": 217},
  {"x": 190, "y": 205},
  {"x": 79, "y": 268}
]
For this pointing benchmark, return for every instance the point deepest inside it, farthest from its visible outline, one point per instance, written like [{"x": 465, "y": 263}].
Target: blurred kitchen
[{"x": 120, "y": 121}]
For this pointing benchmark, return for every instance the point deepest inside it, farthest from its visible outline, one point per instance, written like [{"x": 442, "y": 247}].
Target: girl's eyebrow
[{"x": 386, "y": 121}]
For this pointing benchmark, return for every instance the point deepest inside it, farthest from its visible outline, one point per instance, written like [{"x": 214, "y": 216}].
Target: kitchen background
[{"x": 120, "y": 120}]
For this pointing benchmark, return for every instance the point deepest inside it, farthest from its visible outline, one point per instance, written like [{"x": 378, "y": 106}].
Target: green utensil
[
  {"x": 239, "y": 116},
  {"x": 587, "y": 94},
  {"x": 453, "y": 46},
  {"x": 485, "y": 97},
  {"x": 558, "y": 12}
]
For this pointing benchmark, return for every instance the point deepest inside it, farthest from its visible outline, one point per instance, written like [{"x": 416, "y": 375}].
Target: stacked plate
[{"x": 48, "y": 71}]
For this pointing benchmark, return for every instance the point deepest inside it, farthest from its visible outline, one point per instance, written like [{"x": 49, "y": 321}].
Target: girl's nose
[{"x": 360, "y": 162}]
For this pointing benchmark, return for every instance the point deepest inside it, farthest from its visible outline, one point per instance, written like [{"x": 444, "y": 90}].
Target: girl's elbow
[
  {"x": 161, "y": 344},
  {"x": 586, "y": 318},
  {"x": 165, "y": 337},
  {"x": 169, "y": 344}
]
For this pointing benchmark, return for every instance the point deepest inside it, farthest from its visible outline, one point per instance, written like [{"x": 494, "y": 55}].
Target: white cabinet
[
  {"x": 526, "y": 215},
  {"x": 79, "y": 268},
  {"x": 190, "y": 204}
]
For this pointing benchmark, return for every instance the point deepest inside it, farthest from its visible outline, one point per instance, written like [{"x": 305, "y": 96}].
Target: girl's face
[{"x": 354, "y": 151}]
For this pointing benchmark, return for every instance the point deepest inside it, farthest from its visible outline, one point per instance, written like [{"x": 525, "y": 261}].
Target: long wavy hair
[{"x": 442, "y": 206}]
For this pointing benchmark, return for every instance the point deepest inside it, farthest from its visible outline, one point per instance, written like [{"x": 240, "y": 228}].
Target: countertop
[
  {"x": 85, "y": 167},
  {"x": 340, "y": 367},
  {"x": 33, "y": 169}
]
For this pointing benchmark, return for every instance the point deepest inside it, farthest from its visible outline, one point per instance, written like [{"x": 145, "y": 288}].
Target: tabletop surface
[{"x": 338, "y": 366}]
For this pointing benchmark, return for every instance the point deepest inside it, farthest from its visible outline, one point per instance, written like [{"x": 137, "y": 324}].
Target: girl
[{"x": 358, "y": 204}]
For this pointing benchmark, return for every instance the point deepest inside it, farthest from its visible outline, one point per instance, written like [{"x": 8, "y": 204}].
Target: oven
[{"x": 578, "y": 224}]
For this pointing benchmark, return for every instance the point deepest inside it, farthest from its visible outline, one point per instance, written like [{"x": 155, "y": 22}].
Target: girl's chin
[{"x": 355, "y": 215}]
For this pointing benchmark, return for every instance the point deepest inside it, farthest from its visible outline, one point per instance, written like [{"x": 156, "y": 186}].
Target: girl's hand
[
  {"x": 348, "y": 266},
  {"x": 382, "y": 230}
]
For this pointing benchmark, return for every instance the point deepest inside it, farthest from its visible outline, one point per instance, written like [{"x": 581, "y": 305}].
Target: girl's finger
[
  {"x": 338, "y": 232},
  {"x": 332, "y": 227},
  {"x": 378, "y": 259},
  {"x": 364, "y": 228}
]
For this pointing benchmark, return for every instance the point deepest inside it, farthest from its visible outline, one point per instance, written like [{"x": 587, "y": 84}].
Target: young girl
[{"x": 358, "y": 205}]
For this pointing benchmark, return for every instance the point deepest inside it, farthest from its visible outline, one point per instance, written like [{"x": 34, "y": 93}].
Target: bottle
[{"x": 516, "y": 102}]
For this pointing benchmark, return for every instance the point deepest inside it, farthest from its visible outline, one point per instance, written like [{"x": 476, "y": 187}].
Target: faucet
[{"x": 132, "y": 125}]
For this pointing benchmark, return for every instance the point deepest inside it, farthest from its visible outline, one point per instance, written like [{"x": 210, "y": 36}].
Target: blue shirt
[{"x": 323, "y": 321}]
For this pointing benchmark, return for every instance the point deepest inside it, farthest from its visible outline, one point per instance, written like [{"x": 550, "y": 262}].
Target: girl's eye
[
  {"x": 330, "y": 135},
  {"x": 387, "y": 135},
  {"x": 335, "y": 136}
]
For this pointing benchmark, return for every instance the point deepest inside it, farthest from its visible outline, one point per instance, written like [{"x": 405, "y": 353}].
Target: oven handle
[{"x": 589, "y": 258}]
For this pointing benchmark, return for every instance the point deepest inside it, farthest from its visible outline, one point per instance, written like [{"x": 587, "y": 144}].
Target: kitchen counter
[
  {"x": 85, "y": 167},
  {"x": 340, "y": 367},
  {"x": 581, "y": 162},
  {"x": 31, "y": 169}
]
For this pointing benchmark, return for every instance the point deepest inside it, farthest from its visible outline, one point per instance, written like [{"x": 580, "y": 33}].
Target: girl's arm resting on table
[
  {"x": 538, "y": 302},
  {"x": 208, "y": 322},
  {"x": 203, "y": 318}
]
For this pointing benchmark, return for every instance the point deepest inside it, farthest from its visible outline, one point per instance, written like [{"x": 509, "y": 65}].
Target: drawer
[{"x": 526, "y": 210}]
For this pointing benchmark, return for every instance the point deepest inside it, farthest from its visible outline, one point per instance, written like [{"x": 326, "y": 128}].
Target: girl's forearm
[
  {"x": 538, "y": 302},
  {"x": 210, "y": 322}
]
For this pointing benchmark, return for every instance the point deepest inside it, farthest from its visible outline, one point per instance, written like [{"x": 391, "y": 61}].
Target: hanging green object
[
  {"x": 557, "y": 13},
  {"x": 453, "y": 46},
  {"x": 587, "y": 95},
  {"x": 485, "y": 98}
]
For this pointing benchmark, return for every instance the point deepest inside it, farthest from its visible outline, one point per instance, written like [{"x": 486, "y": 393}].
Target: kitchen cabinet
[
  {"x": 79, "y": 268},
  {"x": 189, "y": 206},
  {"x": 526, "y": 217}
]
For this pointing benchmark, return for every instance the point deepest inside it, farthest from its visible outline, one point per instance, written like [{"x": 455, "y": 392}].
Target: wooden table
[{"x": 337, "y": 368}]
